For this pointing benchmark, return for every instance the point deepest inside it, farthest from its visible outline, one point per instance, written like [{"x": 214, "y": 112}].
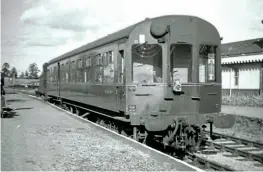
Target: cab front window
[{"x": 146, "y": 63}]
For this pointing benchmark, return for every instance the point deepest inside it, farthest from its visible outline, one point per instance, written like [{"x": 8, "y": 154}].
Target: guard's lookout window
[{"x": 207, "y": 58}]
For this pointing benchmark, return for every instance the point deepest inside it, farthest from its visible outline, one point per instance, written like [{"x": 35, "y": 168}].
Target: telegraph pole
[
  {"x": 13, "y": 78},
  {"x": 261, "y": 72}
]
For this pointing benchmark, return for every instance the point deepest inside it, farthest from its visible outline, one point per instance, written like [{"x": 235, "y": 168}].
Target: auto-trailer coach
[{"x": 159, "y": 78}]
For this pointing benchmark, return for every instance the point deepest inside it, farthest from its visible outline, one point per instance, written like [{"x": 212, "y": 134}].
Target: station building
[{"x": 242, "y": 67}]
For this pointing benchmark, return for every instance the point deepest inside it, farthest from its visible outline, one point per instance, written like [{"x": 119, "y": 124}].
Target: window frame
[
  {"x": 161, "y": 61},
  {"x": 215, "y": 50},
  {"x": 72, "y": 71},
  {"x": 102, "y": 62},
  {"x": 190, "y": 69},
  {"x": 79, "y": 63},
  {"x": 88, "y": 61}
]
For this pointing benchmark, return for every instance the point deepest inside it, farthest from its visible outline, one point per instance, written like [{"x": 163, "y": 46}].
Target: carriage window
[
  {"x": 108, "y": 63},
  {"x": 88, "y": 75},
  {"x": 80, "y": 63},
  {"x": 88, "y": 71},
  {"x": 99, "y": 74},
  {"x": 72, "y": 72},
  {"x": 66, "y": 72},
  {"x": 79, "y": 71},
  {"x": 88, "y": 62},
  {"x": 98, "y": 59},
  {"x": 104, "y": 70},
  {"x": 66, "y": 77},
  {"x": 147, "y": 63},
  {"x": 55, "y": 73},
  {"x": 121, "y": 65},
  {"x": 98, "y": 70},
  {"x": 181, "y": 62},
  {"x": 207, "y": 55},
  {"x": 73, "y": 64},
  {"x": 62, "y": 73},
  {"x": 78, "y": 76}
]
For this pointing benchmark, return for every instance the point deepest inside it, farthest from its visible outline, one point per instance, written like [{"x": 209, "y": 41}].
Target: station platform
[
  {"x": 39, "y": 137},
  {"x": 253, "y": 112}
]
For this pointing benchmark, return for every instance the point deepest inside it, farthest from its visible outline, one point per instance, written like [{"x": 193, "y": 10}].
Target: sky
[{"x": 39, "y": 30}]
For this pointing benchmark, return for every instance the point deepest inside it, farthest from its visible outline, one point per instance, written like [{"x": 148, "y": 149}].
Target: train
[{"x": 159, "y": 79}]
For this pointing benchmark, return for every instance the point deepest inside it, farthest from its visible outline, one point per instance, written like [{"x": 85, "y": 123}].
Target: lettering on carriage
[{"x": 108, "y": 91}]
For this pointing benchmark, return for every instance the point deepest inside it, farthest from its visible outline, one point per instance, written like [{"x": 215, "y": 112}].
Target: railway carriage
[{"x": 160, "y": 77}]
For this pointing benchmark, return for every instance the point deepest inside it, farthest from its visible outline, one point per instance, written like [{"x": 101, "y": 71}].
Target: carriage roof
[{"x": 121, "y": 34}]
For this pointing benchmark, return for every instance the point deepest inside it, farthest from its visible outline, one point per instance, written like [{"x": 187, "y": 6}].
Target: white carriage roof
[{"x": 243, "y": 59}]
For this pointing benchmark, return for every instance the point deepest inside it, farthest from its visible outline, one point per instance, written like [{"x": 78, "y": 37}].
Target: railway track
[
  {"x": 206, "y": 163},
  {"x": 238, "y": 140},
  {"x": 238, "y": 147}
]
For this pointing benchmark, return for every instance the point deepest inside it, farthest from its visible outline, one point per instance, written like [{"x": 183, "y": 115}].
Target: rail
[{"x": 238, "y": 140}]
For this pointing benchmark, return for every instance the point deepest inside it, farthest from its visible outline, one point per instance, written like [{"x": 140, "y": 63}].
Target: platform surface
[{"x": 44, "y": 138}]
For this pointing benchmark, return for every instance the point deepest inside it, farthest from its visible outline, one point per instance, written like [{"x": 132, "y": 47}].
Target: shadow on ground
[
  {"x": 11, "y": 114},
  {"x": 15, "y": 100}
]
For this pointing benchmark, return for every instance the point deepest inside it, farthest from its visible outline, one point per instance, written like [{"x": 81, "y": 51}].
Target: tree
[
  {"x": 5, "y": 69},
  {"x": 33, "y": 71},
  {"x": 22, "y": 75},
  {"x": 26, "y": 74},
  {"x": 13, "y": 72}
]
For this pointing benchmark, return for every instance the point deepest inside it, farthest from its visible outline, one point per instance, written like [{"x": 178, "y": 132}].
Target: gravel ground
[
  {"x": 245, "y": 128},
  {"x": 44, "y": 138}
]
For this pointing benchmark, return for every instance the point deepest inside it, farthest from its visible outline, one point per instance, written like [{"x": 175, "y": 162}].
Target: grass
[
  {"x": 10, "y": 90},
  {"x": 245, "y": 127},
  {"x": 243, "y": 100}
]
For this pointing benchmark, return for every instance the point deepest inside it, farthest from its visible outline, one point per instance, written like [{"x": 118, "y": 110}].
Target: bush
[{"x": 243, "y": 100}]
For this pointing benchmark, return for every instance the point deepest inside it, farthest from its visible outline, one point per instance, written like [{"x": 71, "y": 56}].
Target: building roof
[
  {"x": 255, "y": 58},
  {"x": 251, "y": 46}
]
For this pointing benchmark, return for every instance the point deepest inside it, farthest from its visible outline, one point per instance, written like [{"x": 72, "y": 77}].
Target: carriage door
[
  {"x": 181, "y": 62},
  {"x": 121, "y": 80},
  {"x": 58, "y": 80}
]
